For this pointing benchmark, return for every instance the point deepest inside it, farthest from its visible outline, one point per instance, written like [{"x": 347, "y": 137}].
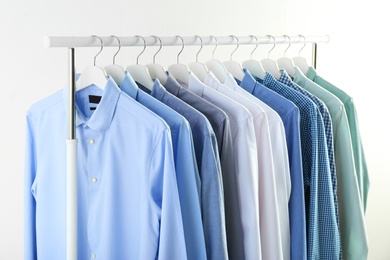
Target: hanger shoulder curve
[
  {"x": 141, "y": 75},
  {"x": 92, "y": 75},
  {"x": 156, "y": 71},
  {"x": 116, "y": 72}
]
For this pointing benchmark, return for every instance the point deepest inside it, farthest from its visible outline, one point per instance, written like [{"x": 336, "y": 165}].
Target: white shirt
[
  {"x": 245, "y": 157},
  {"x": 271, "y": 243},
  {"x": 281, "y": 163}
]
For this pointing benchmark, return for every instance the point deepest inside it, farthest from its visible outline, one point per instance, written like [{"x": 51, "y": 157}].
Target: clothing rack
[{"x": 74, "y": 42}]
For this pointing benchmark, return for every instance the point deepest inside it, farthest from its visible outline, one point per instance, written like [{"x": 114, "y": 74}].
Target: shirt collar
[
  {"x": 211, "y": 80},
  {"x": 269, "y": 79},
  {"x": 299, "y": 76},
  {"x": 129, "y": 86},
  {"x": 311, "y": 73},
  {"x": 248, "y": 82},
  {"x": 285, "y": 78},
  {"x": 102, "y": 116},
  {"x": 158, "y": 90},
  {"x": 195, "y": 85},
  {"x": 172, "y": 85},
  {"x": 231, "y": 82}
]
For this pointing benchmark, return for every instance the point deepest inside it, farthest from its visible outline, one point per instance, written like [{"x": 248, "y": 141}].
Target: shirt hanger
[
  {"x": 156, "y": 71},
  {"x": 216, "y": 67},
  {"x": 287, "y": 63},
  {"x": 254, "y": 66},
  {"x": 179, "y": 70},
  {"x": 93, "y": 75},
  {"x": 300, "y": 61},
  {"x": 199, "y": 69},
  {"x": 115, "y": 71},
  {"x": 234, "y": 67},
  {"x": 140, "y": 73},
  {"x": 270, "y": 65}
]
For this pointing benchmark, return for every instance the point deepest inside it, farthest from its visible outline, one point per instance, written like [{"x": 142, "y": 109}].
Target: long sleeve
[
  {"x": 30, "y": 250},
  {"x": 352, "y": 225},
  {"x": 164, "y": 192}
]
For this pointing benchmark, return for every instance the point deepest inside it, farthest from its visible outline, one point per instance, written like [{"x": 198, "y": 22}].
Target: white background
[{"x": 356, "y": 60}]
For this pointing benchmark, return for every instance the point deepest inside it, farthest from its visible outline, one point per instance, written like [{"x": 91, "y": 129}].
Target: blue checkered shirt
[
  {"x": 285, "y": 79},
  {"x": 323, "y": 233}
]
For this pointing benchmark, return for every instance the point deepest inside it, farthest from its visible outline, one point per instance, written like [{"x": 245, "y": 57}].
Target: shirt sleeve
[
  {"x": 164, "y": 193},
  {"x": 352, "y": 225},
  {"x": 247, "y": 179},
  {"x": 30, "y": 249}
]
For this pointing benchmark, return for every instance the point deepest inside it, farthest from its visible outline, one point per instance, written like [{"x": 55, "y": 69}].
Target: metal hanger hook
[
  {"x": 289, "y": 44},
  {"x": 270, "y": 36},
  {"x": 101, "y": 48},
  {"x": 154, "y": 56},
  {"x": 216, "y": 44},
  {"x": 119, "y": 42},
  {"x": 238, "y": 45},
  {"x": 143, "y": 39},
  {"x": 201, "y": 46},
  {"x": 257, "y": 44},
  {"x": 182, "y": 47},
  {"x": 304, "y": 45}
]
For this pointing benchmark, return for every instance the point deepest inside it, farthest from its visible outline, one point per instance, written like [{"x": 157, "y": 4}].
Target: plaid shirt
[
  {"x": 323, "y": 233},
  {"x": 285, "y": 79}
]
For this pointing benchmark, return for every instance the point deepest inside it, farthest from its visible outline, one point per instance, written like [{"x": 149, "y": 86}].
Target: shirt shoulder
[
  {"x": 52, "y": 103},
  {"x": 139, "y": 115}
]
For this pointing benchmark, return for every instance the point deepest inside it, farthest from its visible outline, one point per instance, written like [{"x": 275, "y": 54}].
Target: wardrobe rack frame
[{"x": 73, "y": 42}]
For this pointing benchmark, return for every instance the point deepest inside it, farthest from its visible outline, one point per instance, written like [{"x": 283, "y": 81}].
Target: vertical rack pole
[
  {"x": 71, "y": 191},
  {"x": 314, "y": 55}
]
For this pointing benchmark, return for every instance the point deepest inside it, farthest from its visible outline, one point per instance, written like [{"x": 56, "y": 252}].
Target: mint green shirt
[
  {"x": 354, "y": 243},
  {"x": 358, "y": 151}
]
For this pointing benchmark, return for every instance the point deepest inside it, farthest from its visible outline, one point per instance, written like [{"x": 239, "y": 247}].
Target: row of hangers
[{"x": 145, "y": 75}]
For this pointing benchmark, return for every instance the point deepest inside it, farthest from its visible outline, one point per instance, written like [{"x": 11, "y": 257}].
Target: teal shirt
[
  {"x": 358, "y": 151},
  {"x": 354, "y": 242}
]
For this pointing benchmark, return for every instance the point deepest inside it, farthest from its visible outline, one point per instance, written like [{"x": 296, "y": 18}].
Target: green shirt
[
  {"x": 354, "y": 242},
  {"x": 358, "y": 152}
]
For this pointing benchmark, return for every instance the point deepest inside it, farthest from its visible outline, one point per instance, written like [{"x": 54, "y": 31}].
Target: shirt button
[
  {"x": 94, "y": 180},
  {"x": 93, "y": 256},
  {"x": 91, "y": 141}
]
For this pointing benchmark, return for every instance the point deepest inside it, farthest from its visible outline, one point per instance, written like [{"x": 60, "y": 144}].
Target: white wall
[{"x": 355, "y": 60}]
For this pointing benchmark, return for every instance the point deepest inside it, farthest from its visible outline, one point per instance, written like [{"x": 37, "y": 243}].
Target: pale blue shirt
[
  {"x": 185, "y": 164},
  {"x": 128, "y": 201}
]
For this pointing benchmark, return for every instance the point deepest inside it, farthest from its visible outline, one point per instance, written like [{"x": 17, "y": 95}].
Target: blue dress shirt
[
  {"x": 289, "y": 114},
  {"x": 323, "y": 233},
  {"x": 215, "y": 232},
  {"x": 128, "y": 201},
  {"x": 187, "y": 174},
  {"x": 285, "y": 79},
  {"x": 207, "y": 157}
]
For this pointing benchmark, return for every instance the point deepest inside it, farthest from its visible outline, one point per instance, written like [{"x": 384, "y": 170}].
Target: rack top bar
[{"x": 108, "y": 41}]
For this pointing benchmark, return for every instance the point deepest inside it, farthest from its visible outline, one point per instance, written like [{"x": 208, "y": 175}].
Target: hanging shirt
[
  {"x": 357, "y": 145},
  {"x": 128, "y": 202},
  {"x": 280, "y": 159},
  {"x": 323, "y": 234},
  {"x": 352, "y": 225},
  {"x": 216, "y": 234},
  {"x": 245, "y": 165},
  {"x": 289, "y": 113},
  {"x": 285, "y": 79},
  {"x": 271, "y": 242},
  {"x": 207, "y": 156},
  {"x": 187, "y": 174}
]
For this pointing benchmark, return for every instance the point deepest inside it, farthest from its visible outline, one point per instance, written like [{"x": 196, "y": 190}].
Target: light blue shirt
[
  {"x": 128, "y": 201},
  {"x": 216, "y": 234},
  {"x": 187, "y": 174},
  {"x": 289, "y": 113},
  {"x": 207, "y": 157}
]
